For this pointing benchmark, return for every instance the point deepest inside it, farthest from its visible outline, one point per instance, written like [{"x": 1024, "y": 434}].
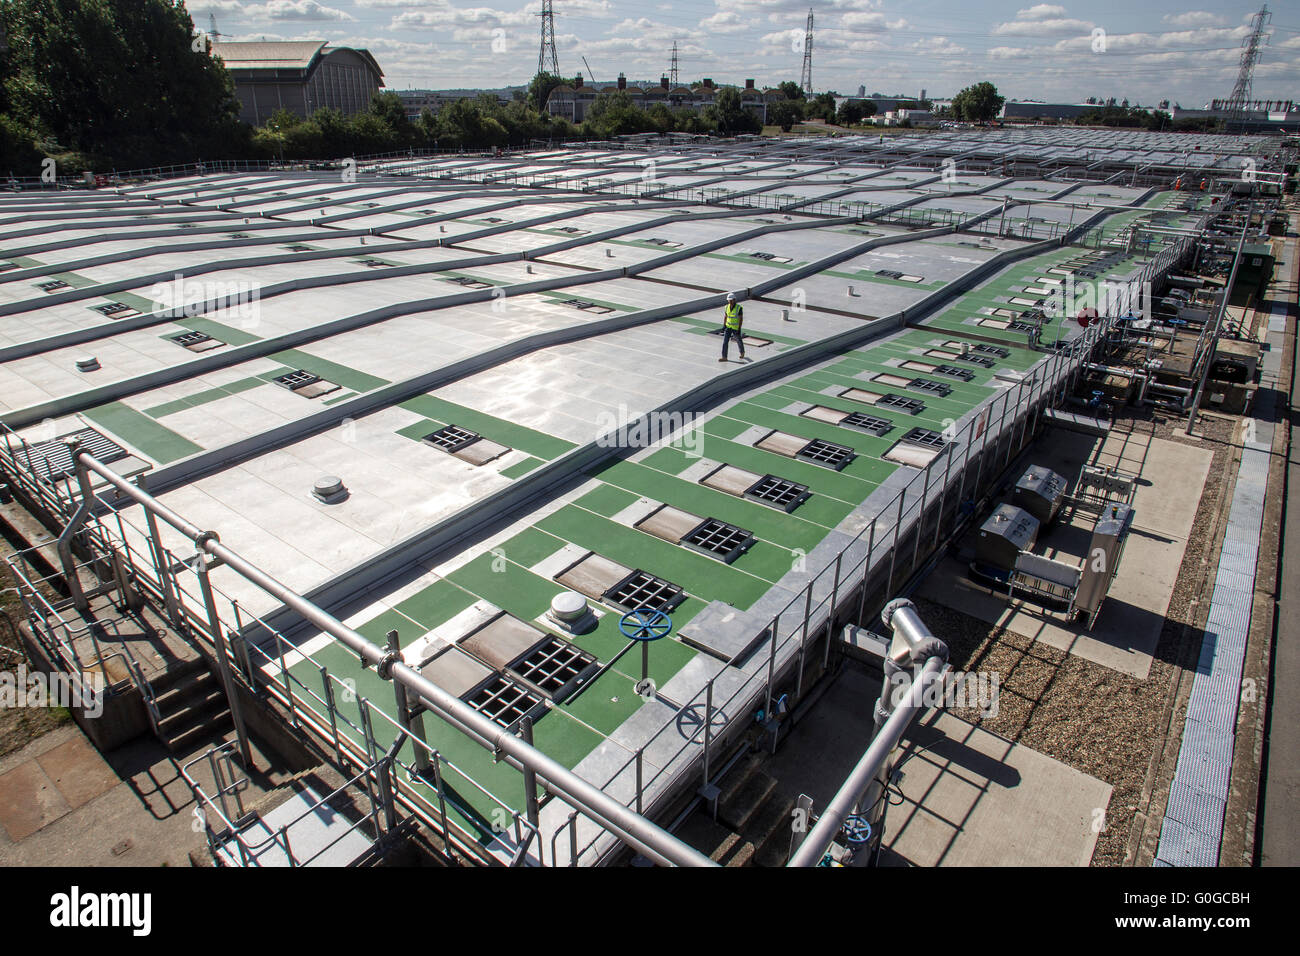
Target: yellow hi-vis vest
[{"x": 731, "y": 317}]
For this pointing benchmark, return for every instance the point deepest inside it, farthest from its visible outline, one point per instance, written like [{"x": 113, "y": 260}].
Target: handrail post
[{"x": 223, "y": 660}]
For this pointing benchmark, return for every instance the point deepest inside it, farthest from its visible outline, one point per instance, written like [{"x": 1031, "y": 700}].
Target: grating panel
[
  {"x": 296, "y": 379},
  {"x": 52, "y": 460},
  {"x": 718, "y": 539},
  {"x": 926, "y": 385},
  {"x": 953, "y": 371},
  {"x": 925, "y": 436},
  {"x": 504, "y": 700},
  {"x": 826, "y": 453},
  {"x": 191, "y": 338},
  {"x": 54, "y": 285},
  {"x": 586, "y": 306},
  {"x": 468, "y": 283},
  {"x": 869, "y": 423},
  {"x": 912, "y": 406},
  {"x": 451, "y": 438},
  {"x": 555, "y": 667},
  {"x": 113, "y": 310},
  {"x": 778, "y": 492},
  {"x": 642, "y": 589}
]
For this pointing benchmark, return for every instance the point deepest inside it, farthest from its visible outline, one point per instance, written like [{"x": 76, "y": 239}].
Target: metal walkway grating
[{"x": 1192, "y": 831}]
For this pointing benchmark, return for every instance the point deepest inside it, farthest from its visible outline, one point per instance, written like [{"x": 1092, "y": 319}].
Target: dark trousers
[{"x": 726, "y": 339}]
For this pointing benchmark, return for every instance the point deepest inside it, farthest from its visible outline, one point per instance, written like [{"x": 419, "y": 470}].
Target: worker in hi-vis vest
[{"x": 733, "y": 317}]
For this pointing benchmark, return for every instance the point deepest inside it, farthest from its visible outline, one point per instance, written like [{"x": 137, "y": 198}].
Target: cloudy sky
[{"x": 1141, "y": 51}]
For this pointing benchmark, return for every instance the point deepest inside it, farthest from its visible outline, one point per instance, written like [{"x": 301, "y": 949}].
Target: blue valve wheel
[
  {"x": 857, "y": 830},
  {"x": 645, "y": 624}
]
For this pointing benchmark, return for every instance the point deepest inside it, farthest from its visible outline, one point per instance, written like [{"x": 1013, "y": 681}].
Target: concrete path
[{"x": 62, "y": 803}]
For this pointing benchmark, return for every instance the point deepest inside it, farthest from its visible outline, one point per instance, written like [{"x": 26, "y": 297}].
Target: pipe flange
[
  {"x": 385, "y": 666},
  {"x": 887, "y": 614},
  {"x": 202, "y": 538}
]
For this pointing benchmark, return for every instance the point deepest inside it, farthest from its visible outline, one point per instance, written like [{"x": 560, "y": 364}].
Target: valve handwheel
[
  {"x": 645, "y": 624},
  {"x": 857, "y": 829}
]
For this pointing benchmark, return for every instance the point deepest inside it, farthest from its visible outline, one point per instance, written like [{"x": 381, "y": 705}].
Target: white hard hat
[{"x": 731, "y": 297}]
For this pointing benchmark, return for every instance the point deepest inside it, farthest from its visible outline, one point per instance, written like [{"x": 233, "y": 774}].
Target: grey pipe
[
  {"x": 628, "y": 825},
  {"x": 921, "y": 646}
]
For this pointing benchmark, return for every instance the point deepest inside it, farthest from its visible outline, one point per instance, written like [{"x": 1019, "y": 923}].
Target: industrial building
[
  {"x": 300, "y": 76},
  {"x": 433, "y": 475}
]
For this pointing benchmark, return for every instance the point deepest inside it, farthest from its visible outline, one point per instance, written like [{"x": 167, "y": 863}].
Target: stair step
[
  {"x": 182, "y": 695},
  {"x": 745, "y": 800},
  {"x": 197, "y": 725},
  {"x": 213, "y": 699},
  {"x": 771, "y": 829},
  {"x": 177, "y": 673}
]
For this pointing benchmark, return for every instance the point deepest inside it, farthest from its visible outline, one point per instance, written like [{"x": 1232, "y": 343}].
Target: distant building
[
  {"x": 299, "y": 76},
  {"x": 572, "y": 100},
  {"x": 1260, "y": 115},
  {"x": 1046, "y": 111},
  {"x": 416, "y": 102}
]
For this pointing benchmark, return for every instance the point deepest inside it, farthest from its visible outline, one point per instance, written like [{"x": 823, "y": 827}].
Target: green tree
[
  {"x": 978, "y": 103},
  {"x": 791, "y": 90},
  {"x": 822, "y": 106},
  {"x": 730, "y": 115},
  {"x": 785, "y": 113},
  {"x": 539, "y": 90},
  {"x": 121, "y": 83}
]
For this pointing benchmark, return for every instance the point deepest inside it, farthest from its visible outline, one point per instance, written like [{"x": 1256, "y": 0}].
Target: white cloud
[
  {"x": 306, "y": 10},
  {"x": 1041, "y": 11},
  {"x": 1194, "y": 18},
  {"x": 1043, "y": 28}
]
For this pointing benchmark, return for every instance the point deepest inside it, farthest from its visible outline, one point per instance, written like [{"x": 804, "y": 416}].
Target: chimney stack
[
  {"x": 622, "y": 82},
  {"x": 577, "y": 81},
  {"x": 708, "y": 83},
  {"x": 663, "y": 81},
  {"x": 749, "y": 84}
]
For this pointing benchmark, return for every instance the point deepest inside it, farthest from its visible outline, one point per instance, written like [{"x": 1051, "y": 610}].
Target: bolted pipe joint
[
  {"x": 384, "y": 668},
  {"x": 202, "y": 538}
]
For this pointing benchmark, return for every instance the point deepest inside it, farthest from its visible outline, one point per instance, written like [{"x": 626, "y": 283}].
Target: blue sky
[{"x": 1141, "y": 51}]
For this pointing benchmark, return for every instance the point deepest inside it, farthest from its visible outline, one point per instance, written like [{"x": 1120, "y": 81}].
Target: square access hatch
[
  {"x": 296, "y": 379},
  {"x": 642, "y": 589},
  {"x": 505, "y": 701},
  {"x": 304, "y": 383},
  {"x": 51, "y": 460},
  {"x": 197, "y": 341},
  {"x": 717, "y": 539},
  {"x": 868, "y": 423},
  {"x": 780, "y": 493},
  {"x": 827, "y": 454},
  {"x": 114, "y": 310},
  {"x": 555, "y": 667},
  {"x": 451, "y": 438}
]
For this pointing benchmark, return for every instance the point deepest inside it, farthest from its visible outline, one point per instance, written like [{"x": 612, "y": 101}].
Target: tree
[
  {"x": 539, "y": 90},
  {"x": 118, "y": 83},
  {"x": 791, "y": 90},
  {"x": 785, "y": 113},
  {"x": 730, "y": 115},
  {"x": 821, "y": 106},
  {"x": 851, "y": 113},
  {"x": 978, "y": 103}
]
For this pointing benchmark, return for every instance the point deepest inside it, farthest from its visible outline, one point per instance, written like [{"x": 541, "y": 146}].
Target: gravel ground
[
  {"x": 1092, "y": 718},
  {"x": 19, "y": 726}
]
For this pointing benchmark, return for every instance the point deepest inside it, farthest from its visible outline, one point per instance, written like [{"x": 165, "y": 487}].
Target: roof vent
[
  {"x": 569, "y": 610},
  {"x": 87, "y": 363},
  {"x": 329, "y": 489}
]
